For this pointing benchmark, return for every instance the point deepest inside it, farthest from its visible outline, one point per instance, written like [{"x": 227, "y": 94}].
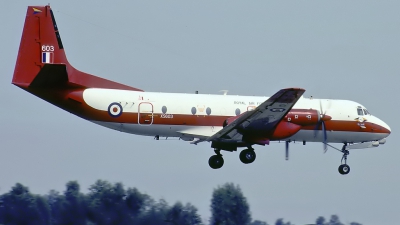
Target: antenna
[{"x": 224, "y": 92}]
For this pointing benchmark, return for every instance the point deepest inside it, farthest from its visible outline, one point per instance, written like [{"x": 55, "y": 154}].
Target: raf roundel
[{"x": 115, "y": 109}]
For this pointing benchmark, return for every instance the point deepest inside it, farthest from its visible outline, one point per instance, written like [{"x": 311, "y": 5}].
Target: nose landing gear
[{"x": 344, "y": 168}]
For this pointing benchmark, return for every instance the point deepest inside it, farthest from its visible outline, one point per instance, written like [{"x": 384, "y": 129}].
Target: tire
[
  {"x": 247, "y": 156},
  {"x": 344, "y": 169},
  {"x": 340, "y": 169},
  {"x": 216, "y": 161}
]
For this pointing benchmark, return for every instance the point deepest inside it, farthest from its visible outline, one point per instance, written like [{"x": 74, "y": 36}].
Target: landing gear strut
[
  {"x": 344, "y": 168},
  {"x": 216, "y": 161},
  {"x": 247, "y": 156}
]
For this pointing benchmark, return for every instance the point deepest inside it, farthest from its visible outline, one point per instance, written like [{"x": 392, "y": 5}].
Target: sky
[{"x": 333, "y": 49}]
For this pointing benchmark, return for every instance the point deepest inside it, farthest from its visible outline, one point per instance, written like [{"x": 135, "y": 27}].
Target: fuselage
[{"x": 189, "y": 116}]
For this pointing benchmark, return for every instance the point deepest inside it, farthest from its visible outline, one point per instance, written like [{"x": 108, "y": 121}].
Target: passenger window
[{"x": 360, "y": 112}]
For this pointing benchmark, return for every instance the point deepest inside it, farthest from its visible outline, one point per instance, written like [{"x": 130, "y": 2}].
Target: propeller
[
  {"x": 287, "y": 149},
  {"x": 321, "y": 123}
]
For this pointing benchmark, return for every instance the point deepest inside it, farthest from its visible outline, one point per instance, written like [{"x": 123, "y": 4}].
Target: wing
[
  {"x": 262, "y": 119},
  {"x": 201, "y": 132}
]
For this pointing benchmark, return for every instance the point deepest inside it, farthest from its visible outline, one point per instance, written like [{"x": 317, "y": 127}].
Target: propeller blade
[
  {"x": 320, "y": 109},
  {"x": 325, "y": 137},
  {"x": 320, "y": 119},
  {"x": 316, "y": 129},
  {"x": 321, "y": 122},
  {"x": 287, "y": 149}
]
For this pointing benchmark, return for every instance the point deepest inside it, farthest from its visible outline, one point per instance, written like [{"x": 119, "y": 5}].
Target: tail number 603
[{"x": 47, "y": 48}]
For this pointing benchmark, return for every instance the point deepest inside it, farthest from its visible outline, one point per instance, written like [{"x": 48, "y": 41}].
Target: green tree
[
  {"x": 229, "y": 206},
  {"x": 43, "y": 209},
  {"x": 156, "y": 213},
  {"x": 334, "y": 220},
  {"x": 190, "y": 215},
  {"x": 71, "y": 207},
  {"x": 1, "y": 210},
  {"x": 258, "y": 222},
  {"x": 183, "y": 215},
  {"x": 320, "y": 221},
  {"x": 22, "y": 207},
  {"x": 137, "y": 202},
  {"x": 106, "y": 203},
  {"x": 280, "y": 222},
  {"x": 54, "y": 200}
]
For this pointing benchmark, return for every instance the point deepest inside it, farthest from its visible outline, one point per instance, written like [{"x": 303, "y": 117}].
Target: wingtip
[{"x": 295, "y": 88}]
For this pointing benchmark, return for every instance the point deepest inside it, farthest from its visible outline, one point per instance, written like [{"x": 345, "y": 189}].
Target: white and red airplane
[{"x": 228, "y": 122}]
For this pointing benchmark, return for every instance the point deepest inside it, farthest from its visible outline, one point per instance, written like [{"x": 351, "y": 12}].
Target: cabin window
[
  {"x": 237, "y": 112},
  {"x": 164, "y": 109},
  {"x": 360, "y": 112},
  {"x": 208, "y": 110},
  {"x": 194, "y": 110}
]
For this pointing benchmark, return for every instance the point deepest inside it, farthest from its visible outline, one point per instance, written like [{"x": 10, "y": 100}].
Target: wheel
[
  {"x": 216, "y": 161},
  {"x": 247, "y": 156},
  {"x": 344, "y": 169}
]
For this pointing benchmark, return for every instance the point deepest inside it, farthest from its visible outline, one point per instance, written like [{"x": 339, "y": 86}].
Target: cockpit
[{"x": 362, "y": 111}]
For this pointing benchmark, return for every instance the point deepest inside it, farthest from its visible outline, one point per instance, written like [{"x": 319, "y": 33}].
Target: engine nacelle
[
  {"x": 287, "y": 127},
  {"x": 284, "y": 130},
  {"x": 303, "y": 117}
]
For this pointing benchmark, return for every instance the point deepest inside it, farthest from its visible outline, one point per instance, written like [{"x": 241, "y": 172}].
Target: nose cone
[{"x": 384, "y": 127}]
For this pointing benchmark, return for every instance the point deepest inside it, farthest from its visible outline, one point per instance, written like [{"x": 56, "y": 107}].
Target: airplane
[{"x": 227, "y": 122}]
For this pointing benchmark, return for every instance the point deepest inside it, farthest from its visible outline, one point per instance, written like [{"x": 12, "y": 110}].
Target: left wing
[
  {"x": 202, "y": 132},
  {"x": 262, "y": 119}
]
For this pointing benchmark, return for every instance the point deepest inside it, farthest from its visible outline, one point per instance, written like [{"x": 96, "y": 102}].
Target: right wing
[{"x": 264, "y": 118}]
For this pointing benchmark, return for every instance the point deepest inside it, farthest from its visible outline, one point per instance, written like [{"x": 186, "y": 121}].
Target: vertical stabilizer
[
  {"x": 41, "y": 61},
  {"x": 40, "y": 44}
]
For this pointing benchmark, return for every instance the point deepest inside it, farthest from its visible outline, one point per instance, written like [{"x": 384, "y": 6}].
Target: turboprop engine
[{"x": 288, "y": 126}]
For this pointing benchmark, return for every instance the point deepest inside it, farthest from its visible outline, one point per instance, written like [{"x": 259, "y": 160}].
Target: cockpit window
[
  {"x": 366, "y": 112},
  {"x": 360, "y": 112}
]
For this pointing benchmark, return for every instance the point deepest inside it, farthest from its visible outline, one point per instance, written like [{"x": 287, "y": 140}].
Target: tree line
[{"x": 107, "y": 204}]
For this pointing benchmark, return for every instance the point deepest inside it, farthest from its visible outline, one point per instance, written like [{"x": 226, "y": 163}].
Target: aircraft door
[{"x": 145, "y": 114}]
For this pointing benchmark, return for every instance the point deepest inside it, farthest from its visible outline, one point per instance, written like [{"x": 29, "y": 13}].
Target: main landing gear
[
  {"x": 344, "y": 168},
  {"x": 216, "y": 161},
  {"x": 246, "y": 156}
]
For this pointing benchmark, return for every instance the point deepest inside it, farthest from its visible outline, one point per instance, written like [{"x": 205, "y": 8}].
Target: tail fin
[
  {"x": 40, "y": 44},
  {"x": 41, "y": 60}
]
